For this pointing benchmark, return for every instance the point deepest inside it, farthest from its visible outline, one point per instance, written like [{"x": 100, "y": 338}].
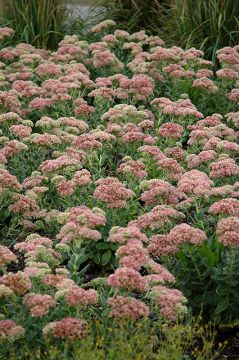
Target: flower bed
[{"x": 119, "y": 184}]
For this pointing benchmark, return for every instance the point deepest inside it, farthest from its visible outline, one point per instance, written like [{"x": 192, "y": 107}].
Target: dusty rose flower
[
  {"x": 112, "y": 192},
  {"x": 38, "y": 304},
  {"x": 9, "y": 330},
  {"x": 227, "y": 73},
  {"x": 157, "y": 269},
  {"x": 133, "y": 255},
  {"x": 196, "y": 183},
  {"x": 171, "y": 302},
  {"x": 185, "y": 233},
  {"x": 203, "y": 157},
  {"x": 6, "y": 256},
  {"x": 157, "y": 217},
  {"x": 161, "y": 245},
  {"x": 21, "y": 130},
  {"x": 8, "y": 181},
  {"x": 228, "y": 206},
  {"x": 205, "y": 84},
  {"x": 171, "y": 130},
  {"x": 129, "y": 234},
  {"x": 40, "y": 103},
  {"x": 127, "y": 278},
  {"x": 77, "y": 296},
  {"x": 160, "y": 191},
  {"x": 18, "y": 282},
  {"x": 67, "y": 328},
  {"x": 227, "y": 230},
  {"x": 224, "y": 166},
  {"x": 176, "y": 153},
  {"x": 127, "y": 308},
  {"x": 134, "y": 167}
]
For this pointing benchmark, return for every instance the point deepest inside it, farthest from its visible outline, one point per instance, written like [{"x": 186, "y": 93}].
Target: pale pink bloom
[
  {"x": 175, "y": 152},
  {"x": 160, "y": 191},
  {"x": 203, "y": 157},
  {"x": 171, "y": 167},
  {"x": 227, "y": 230},
  {"x": 67, "y": 328},
  {"x": 32, "y": 243},
  {"x": 77, "y": 296},
  {"x": 78, "y": 223},
  {"x": 157, "y": 269},
  {"x": 53, "y": 280},
  {"x": 192, "y": 53},
  {"x": 224, "y": 166},
  {"x": 171, "y": 130},
  {"x": 233, "y": 95},
  {"x": 13, "y": 147},
  {"x": 205, "y": 84},
  {"x": 19, "y": 282},
  {"x": 59, "y": 163},
  {"x": 202, "y": 73},
  {"x": 40, "y": 103},
  {"x": 195, "y": 182},
  {"x": 185, "y": 233},
  {"x": 86, "y": 141},
  {"x": 21, "y": 130},
  {"x": 129, "y": 234},
  {"x": 133, "y": 255},
  {"x": 33, "y": 180},
  {"x": 157, "y": 217},
  {"x": 223, "y": 191},
  {"x": 106, "y": 58},
  {"x": 171, "y": 302},
  {"x": 229, "y": 206},
  {"x": 39, "y": 304},
  {"x": 9, "y": 330},
  {"x": 45, "y": 139},
  {"x": 23, "y": 204},
  {"x": 127, "y": 308},
  {"x": 48, "y": 69},
  {"x": 227, "y": 73},
  {"x": 6, "y": 256},
  {"x": 160, "y": 245},
  {"x": 127, "y": 278},
  {"x": 153, "y": 151},
  {"x": 234, "y": 118},
  {"x": 8, "y": 181},
  {"x": 213, "y": 120},
  {"x": 160, "y": 54},
  {"x": 181, "y": 107},
  {"x": 112, "y": 192},
  {"x": 9, "y": 117},
  {"x": 134, "y": 167}
]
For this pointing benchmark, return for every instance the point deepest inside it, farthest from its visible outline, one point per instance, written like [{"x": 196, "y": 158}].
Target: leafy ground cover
[{"x": 119, "y": 198}]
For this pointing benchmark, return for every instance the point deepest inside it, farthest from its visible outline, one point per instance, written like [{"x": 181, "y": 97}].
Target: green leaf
[
  {"x": 106, "y": 258},
  {"x": 103, "y": 246},
  {"x": 221, "y": 290},
  {"x": 223, "y": 305},
  {"x": 96, "y": 259}
]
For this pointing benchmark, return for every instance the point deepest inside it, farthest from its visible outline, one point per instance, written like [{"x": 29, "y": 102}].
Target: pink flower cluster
[{"x": 112, "y": 192}]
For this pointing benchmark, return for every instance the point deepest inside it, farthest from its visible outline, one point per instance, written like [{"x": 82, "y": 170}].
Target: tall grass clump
[
  {"x": 136, "y": 14},
  {"x": 206, "y": 24},
  {"x": 38, "y": 22}
]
